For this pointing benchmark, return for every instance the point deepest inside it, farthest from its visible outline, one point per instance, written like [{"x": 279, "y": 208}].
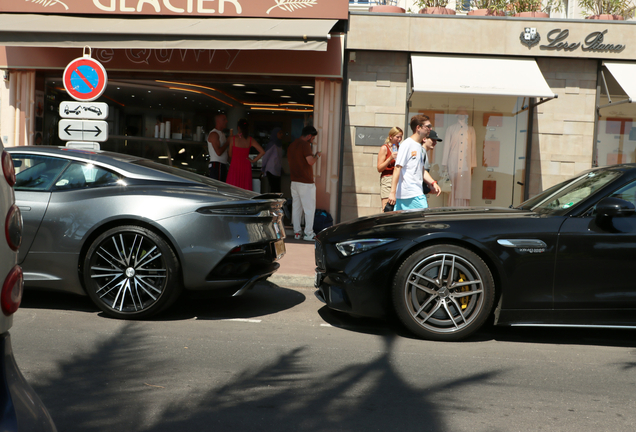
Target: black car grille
[{"x": 320, "y": 256}]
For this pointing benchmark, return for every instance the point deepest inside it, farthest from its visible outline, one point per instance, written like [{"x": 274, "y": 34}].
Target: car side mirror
[{"x": 614, "y": 207}]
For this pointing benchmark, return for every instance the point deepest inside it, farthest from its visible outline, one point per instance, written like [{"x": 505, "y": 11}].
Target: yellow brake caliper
[{"x": 463, "y": 301}]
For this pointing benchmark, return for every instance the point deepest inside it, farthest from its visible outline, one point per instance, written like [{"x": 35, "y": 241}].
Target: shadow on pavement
[
  {"x": 490, "y": 332},
  {"x": 375, "y": 326},
  {"x": 561, "y": 336},
  {"x": 40, "y": 299},
  {"x": 122, "y": 385},
  {"x": 263, "y": 299}
]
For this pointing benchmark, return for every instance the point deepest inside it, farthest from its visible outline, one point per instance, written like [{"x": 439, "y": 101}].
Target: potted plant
[
  {"x": 534, "y": 8},
  {"x": 608, "y": 9},
  {"x": 488, "y": 7},
  {"x": 386, "y": 6},
  {"x": 437, "y": 7}
]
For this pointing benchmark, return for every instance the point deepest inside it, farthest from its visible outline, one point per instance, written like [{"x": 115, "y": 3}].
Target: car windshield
[
  {"x": 560, "y": 198},
  {"x": 178, "y": 172}
]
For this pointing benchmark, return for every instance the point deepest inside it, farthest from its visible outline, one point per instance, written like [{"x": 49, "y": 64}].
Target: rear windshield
[{"x": 178, "y": 172}]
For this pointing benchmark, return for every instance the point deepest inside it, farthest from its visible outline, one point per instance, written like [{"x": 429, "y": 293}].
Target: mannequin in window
[{"x": 460, "y": 158}]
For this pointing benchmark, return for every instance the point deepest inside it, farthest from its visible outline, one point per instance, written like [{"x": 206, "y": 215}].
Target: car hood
[{"x": 404, "y": 220}]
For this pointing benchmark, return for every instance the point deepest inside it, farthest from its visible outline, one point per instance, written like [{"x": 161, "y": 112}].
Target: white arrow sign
[
  {"x": 83, "y": 130},
  {"x": 84, "y": 110}
]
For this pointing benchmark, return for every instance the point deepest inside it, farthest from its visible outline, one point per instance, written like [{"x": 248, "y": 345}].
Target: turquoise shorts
[{"x": 418, "y": 202}]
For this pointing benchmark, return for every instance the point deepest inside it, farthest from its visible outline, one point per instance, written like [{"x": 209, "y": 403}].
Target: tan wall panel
[
  {"x": 483, "y": 35},
  {"x": 377, "y": 98}
]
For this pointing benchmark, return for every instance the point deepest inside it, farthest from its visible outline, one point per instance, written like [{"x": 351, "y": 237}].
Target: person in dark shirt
[{"x": 303, "y": 189}]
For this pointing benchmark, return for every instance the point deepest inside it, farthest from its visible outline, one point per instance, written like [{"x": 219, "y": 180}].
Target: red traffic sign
[{"x": 85, "y": 79}]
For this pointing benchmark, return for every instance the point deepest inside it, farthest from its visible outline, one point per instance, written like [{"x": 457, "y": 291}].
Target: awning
[
  {"x": 623, "y": 74},
  {"x": 182, "y": 33},
  {"x": 485, "y": 76}
]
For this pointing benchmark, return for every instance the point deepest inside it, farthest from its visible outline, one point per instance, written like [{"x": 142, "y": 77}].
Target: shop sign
[
  {"x": 267, "y": 62},
  {"x": 316, "y": 9},
  {"x": 370, "y": 136},
  {"x": 557, "y": 40}
]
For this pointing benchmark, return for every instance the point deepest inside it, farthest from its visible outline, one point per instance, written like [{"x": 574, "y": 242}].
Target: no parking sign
[{"x": 85, "y": 79}]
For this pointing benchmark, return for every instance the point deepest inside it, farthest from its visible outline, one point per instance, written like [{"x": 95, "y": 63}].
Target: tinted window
[
  {"x": 81, "y": 176},
  {"x": 558, "y": 201},
  {"x": 627, "y": 193},
  {"x": 37, "y": 173},
  {"x": 178, "y": 172}
]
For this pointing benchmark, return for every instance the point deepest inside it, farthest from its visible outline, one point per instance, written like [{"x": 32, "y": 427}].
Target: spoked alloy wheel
[
  {"x": 130, "y": 272},
  {"x": 443, "y": 292}
]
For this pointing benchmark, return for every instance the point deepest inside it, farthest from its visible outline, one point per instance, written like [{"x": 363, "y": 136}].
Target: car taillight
[
  {"x": 12, "y": 291},
  {"x": 13, "y": 227},
  {"x": 7, "y": 168}
]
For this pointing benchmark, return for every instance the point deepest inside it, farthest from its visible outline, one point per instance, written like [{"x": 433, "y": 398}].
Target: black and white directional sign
[
  {"x": 83, "y": 130},
  {"x": 84, "y": 110}
]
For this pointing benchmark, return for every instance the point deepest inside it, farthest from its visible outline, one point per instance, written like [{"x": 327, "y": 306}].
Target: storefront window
[
  {"x": 481, "y": 158},
  {"x": 168, "y": 121},
  {"x": 616, "y": 136}
]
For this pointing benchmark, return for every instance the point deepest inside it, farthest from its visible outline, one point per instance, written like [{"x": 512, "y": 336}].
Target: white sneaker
[
  {"x": 309, "y": 237},
  {"x": 297, "y": 236}
]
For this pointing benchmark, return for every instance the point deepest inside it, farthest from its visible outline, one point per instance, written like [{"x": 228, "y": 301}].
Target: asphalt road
[{"x": 276, "y": 360}]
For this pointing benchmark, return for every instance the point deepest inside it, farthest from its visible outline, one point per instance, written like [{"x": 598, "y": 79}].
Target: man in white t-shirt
[
  {"x": 408, "y": 174},
  {"x": 217, "y": 149}
]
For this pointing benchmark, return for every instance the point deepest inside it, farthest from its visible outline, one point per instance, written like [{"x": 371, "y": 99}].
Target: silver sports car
[{"x": 132, "y": 233}]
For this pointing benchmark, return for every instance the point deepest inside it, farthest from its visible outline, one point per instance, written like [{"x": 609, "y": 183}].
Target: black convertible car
[{"x": 562, "y": 258}]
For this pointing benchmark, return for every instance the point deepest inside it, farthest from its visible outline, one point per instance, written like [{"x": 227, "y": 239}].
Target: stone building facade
[{"x": 571, "y": 131}]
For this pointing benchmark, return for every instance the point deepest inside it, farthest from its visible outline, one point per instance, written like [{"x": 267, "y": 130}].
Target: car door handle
[{"x": 24, "y": 208}]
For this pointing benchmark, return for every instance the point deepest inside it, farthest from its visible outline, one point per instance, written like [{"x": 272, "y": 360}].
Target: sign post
[{"x": 85, "y": 80}]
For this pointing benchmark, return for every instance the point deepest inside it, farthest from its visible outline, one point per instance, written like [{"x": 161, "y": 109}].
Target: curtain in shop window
[
  {"x": 17, "y": 108},
  {"x": 327, "y": 120}
]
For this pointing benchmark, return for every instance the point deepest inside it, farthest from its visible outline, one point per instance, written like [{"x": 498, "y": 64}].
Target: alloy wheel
[
  {"x": 128, "y": 272},
  {"x": 443, "y": 292}
]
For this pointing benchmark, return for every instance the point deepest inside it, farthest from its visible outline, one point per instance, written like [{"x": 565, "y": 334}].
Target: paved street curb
[{"x": 292, "y": 280}]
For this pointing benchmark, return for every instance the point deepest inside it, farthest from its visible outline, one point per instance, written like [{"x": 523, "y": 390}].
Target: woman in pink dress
[{"x": 240, "y": 172}]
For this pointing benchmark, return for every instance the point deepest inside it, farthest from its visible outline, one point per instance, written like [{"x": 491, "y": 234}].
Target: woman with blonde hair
[{"x": 386, "y": 162}]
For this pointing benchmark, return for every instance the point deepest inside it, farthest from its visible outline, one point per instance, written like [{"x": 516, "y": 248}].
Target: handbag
[
  {"x": 388, "y": 207},
  {"x": 445, "y": 184}
]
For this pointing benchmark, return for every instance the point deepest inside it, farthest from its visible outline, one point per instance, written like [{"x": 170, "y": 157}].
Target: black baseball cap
[{"x": 433, "y": 135}]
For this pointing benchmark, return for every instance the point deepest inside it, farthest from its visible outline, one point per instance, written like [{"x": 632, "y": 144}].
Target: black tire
[
  {"x": 131, "y": 273},
  {"x": 435, "y": 307}
]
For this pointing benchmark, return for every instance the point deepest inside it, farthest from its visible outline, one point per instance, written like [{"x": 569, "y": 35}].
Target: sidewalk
[{"x": 297, "y": 267}]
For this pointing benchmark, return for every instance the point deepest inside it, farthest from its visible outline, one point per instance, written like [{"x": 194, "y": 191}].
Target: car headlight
[{"x": 352, "y": 247}]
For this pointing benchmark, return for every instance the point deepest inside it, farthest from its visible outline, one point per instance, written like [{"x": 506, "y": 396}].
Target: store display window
[
  {"x": 481, "y": 158},
  {"x": 168, "y": 121},
  {"x": 616, "y": 134}
]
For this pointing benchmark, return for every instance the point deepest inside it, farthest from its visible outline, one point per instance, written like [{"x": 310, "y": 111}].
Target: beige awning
[
  {"x": 489, "y": 76},
  {"x": 623, "y": 73},
  {"x": 181, "y": 33}
]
